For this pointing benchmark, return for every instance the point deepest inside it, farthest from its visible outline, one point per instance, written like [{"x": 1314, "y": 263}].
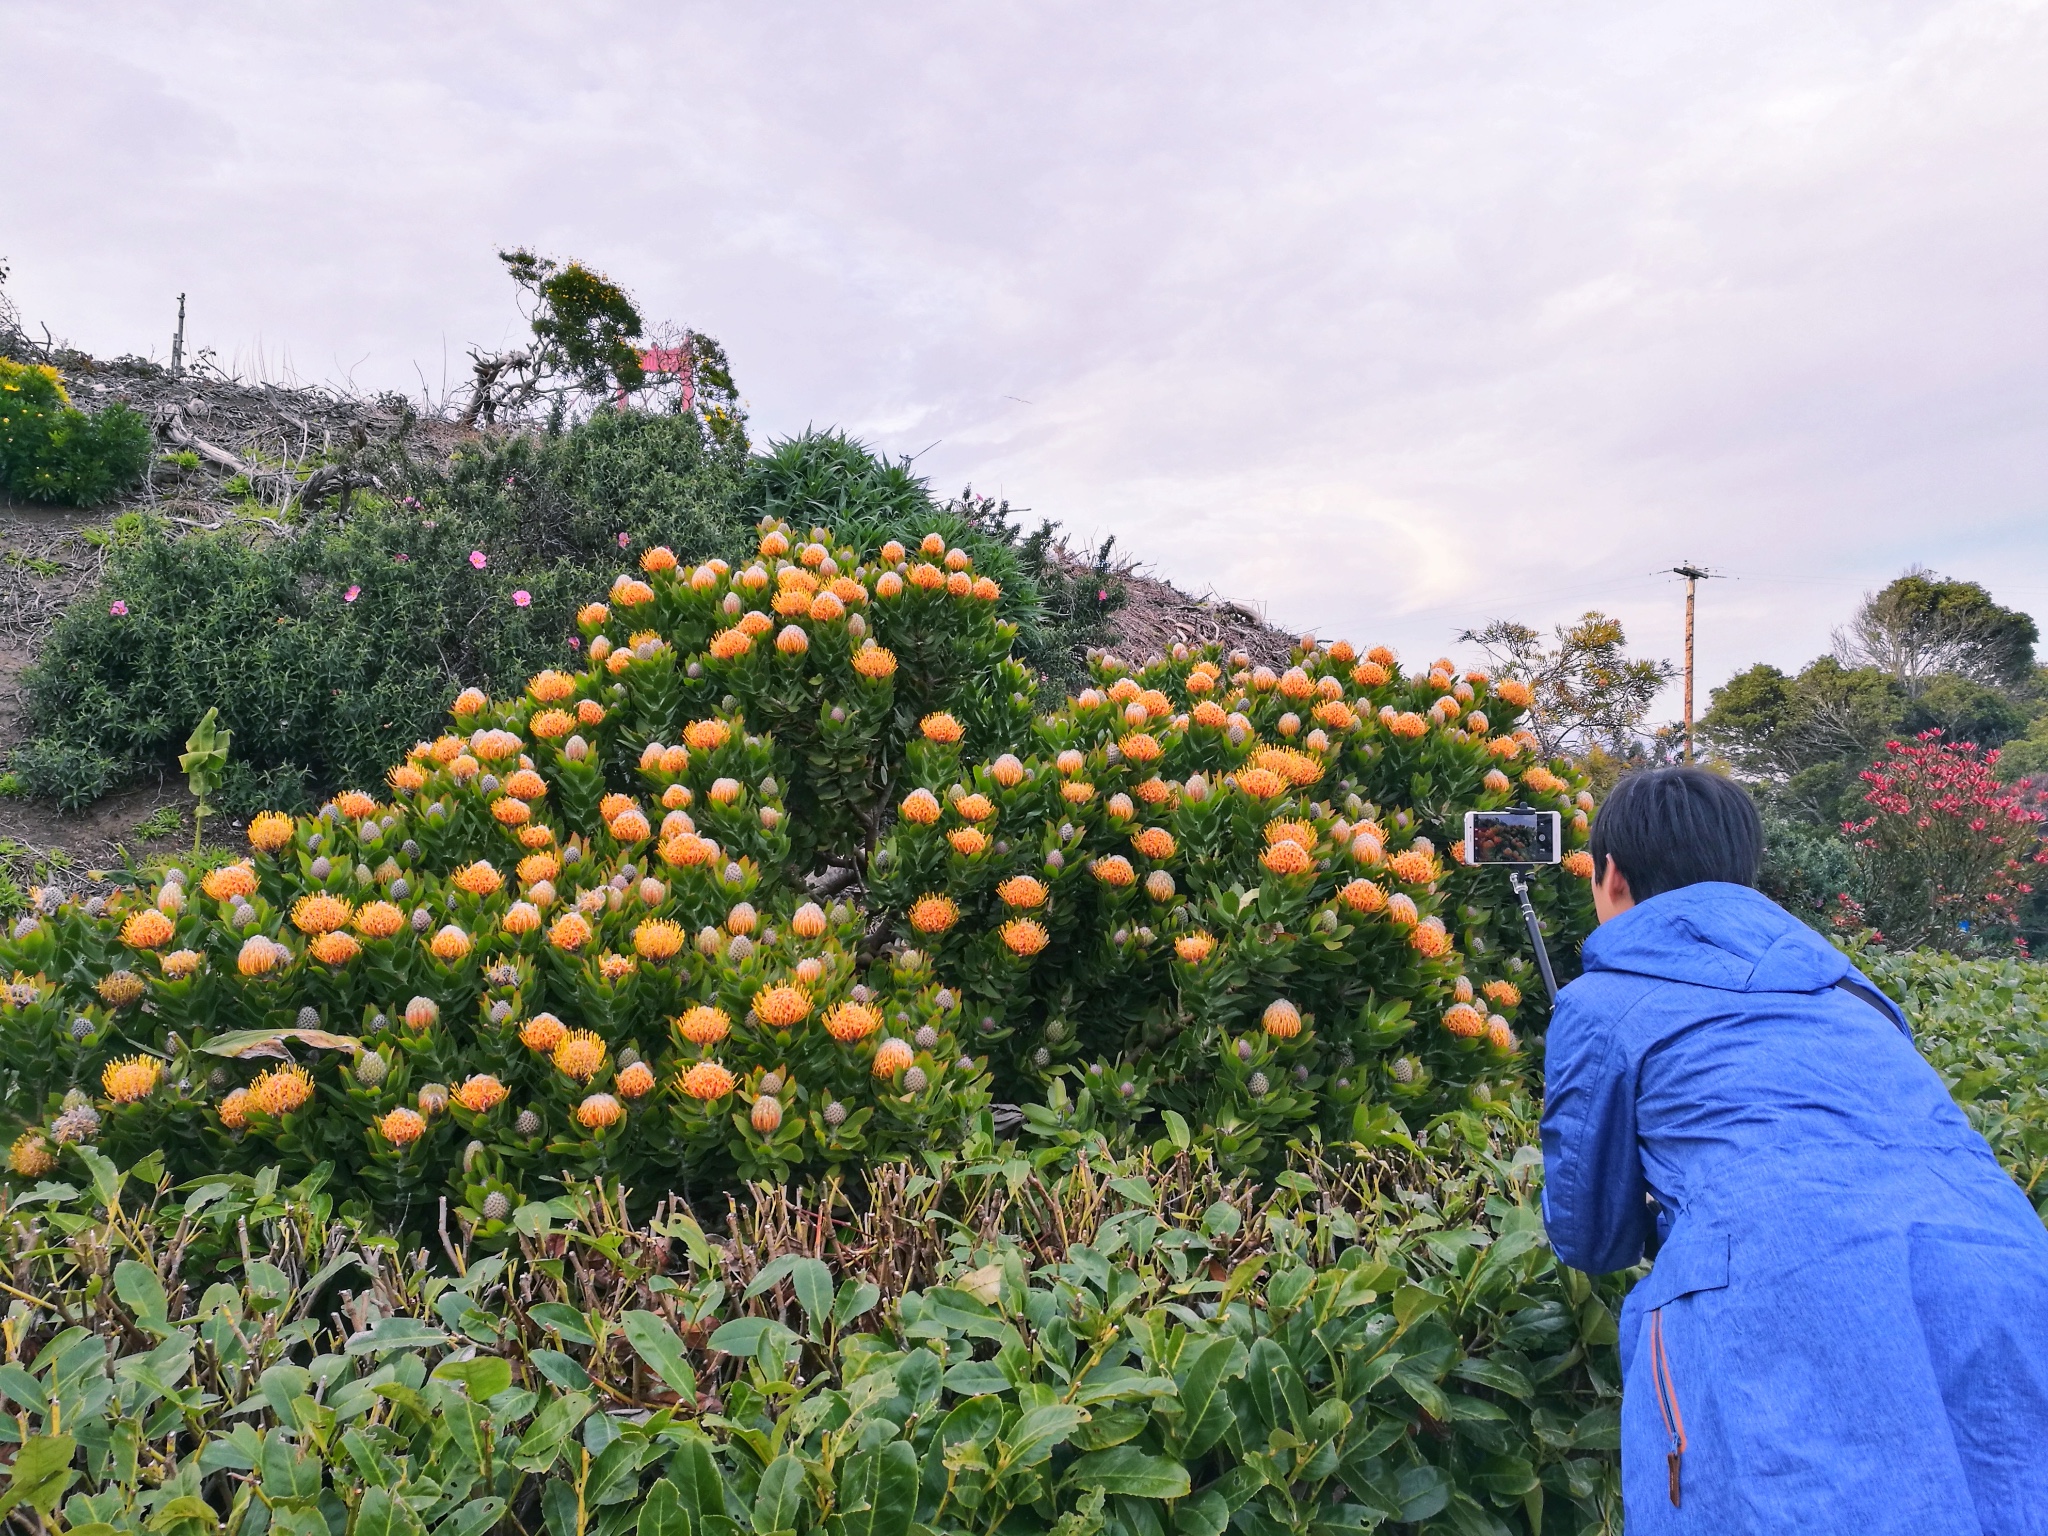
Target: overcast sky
[{"x": 1392, "y": 318}]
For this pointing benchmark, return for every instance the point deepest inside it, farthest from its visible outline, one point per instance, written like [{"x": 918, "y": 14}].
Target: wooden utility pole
[
  {"x": 1693, "y": 575},
  {"x": 178, "y": 341}
]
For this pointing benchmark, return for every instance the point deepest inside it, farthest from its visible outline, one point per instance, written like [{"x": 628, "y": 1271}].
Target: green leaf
[
  {"x": 661, "y": 1512},
  {"x": 561, "y": 1369},
  {"x": 1177, "y": 1130},
  {"x": 1412, "y": 1303},
  {"x": 566, "y": 1321},
  {"x": 743, "y": 1335},
  {"x": 265, "y": 1042},
  {"x": 550, "y": 1431},
  {"x": 1039, "y": 1431},
  {"x": 780, "y": 1497},
  {"x": 106, "y": 1178},
  {"x": 812, "y": 1282},
  {"x": 483, "y": 1377},
  {"x": 699, "y": 1485},
  {"x": 41, "y": 1473},
  {"x": 396, "y": 1333},
  {"x": 143, "y": 1293},
  {"x": 656, "y": 1343},
  {"x": 878, "y": 1492},
  {"x": 1128, "y": 1470},
  {"x": 473, "y": 1518}
]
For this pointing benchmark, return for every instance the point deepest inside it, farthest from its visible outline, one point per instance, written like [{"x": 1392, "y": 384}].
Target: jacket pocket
[
  {"x": 1669, "y": 1409},
  {"x": 1695, "y": 1261}
]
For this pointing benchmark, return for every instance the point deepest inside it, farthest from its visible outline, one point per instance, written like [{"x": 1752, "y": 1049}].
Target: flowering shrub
[
  {"x": 592, "y": 929},
  {"x": 1948, "y": 847},
  {"x": 51, "y": 452}
]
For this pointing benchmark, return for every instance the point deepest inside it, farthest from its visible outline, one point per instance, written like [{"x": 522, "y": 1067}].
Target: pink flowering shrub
[{"x": 1949, "y": 848}]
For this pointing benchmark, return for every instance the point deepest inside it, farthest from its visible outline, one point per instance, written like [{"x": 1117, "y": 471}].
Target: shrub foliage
[
  {"x": 604, "y": 928},
  {"x": 51, "y": 452}
]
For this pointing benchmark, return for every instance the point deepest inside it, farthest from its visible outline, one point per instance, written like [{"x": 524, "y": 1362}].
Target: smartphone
[{"x": 1513, "y": 837}]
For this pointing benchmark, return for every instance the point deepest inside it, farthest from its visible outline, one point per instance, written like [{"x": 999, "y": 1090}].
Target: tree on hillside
[
  {"x": 1924, "y": 626},
  {"x": 1589, "y": 690},
  {"x": 1805, "y": 737}
]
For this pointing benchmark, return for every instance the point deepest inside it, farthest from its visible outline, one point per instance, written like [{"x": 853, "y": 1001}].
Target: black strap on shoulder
[{"x": 1875, "y": 998}]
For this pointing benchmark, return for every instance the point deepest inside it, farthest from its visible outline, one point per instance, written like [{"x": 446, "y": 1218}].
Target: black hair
[{"x": 1668, "y": 827}]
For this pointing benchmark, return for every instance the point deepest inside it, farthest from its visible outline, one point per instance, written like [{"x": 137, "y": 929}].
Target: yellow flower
[
  {"x": 1363, "y": 896},
  {"x": 1194, "y": 947},
  {"x": 967, "y": 841},
  {"x": 1464, "y": 1021},
  {"x": 874, "y": 662},
  {"x": 600, "y": 1112},
  {"x": 355, "y": 805},
  {"x": 891, "y": 1057},
  {"x": 1155, "y": 843},
  {"x": 1514, "y": 691},
  {"x": 1579, "y": 863},
  {"x": 1115, "y": 871},
  {"x": 707, "y": 735},
  {"x": 615, "y": 968},
  {"x": 180, "y": 963},
  {"x": 379, "y": 920},
  {"x": 131, "y": 1078},
  {"x": 579, "y": 1054},
  {"x": 260, "y": 956},
  {"x": 1415, "y": 866},
  {"x": 941, "y": 728},
  {"x": 1430, "y": 939},
  {"x": 281, "y": 1090},
  {"x": 1287, "y": 859},
  {"x": 658, "y": 939},
  {"x": 781, "y": 1006},
  {"x": 1503, "y": 994},
  {"x": 570, "y": 932},
  {"x": 31, "y": 1156},
  {"x": 234, "y": 1109},
  {"x": 479, "y": 879},
  {"x": 450, "y": 944},
  {"x": 1140, "y": 747},
  {"x": 552, "y": 724},
  {"x": 1281, "y": 1020}
]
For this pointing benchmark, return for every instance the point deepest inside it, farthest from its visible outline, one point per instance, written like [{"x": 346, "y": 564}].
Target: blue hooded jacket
[{"x": 1846, "y": 1325}]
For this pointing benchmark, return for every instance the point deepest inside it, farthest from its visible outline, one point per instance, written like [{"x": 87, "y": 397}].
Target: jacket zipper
[{"x": 1667, "y": 1400}]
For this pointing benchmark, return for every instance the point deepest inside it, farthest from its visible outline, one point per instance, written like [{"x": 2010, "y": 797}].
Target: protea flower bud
[
  {"x": 927, "y": 1038},
  {"x": 528, "y": 1123},
  {"x": 497, "y": 1204},
  {"x": 309, "y": 1018},
  {"x": 835, "y": 1114},
  {"x": 1258, "y": 1085},
  {"x": 371, "y": 1069},
  {"x": 914, "y": 1080},
  {"x": 1041, "y": 1058},
  {"x": 321, "y": 868},
  {"x": 767, "y": 1114}
]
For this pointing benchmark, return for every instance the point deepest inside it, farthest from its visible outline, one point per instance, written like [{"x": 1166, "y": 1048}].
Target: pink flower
[
  {"x": 351, "y": 594},
  {"x": 522, "y": 598},
  {"x": 622, "y": 541},
  {"x": 118, "y": 609},
  {"x": 575, "y": 644},
  {"x": 476, "y": 558},
  {"x": 401, "y": 559}
]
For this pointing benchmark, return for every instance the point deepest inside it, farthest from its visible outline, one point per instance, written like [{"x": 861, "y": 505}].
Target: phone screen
[{"x": 1513, "y": 837}]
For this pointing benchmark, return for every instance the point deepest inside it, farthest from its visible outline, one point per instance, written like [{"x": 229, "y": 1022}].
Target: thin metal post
[
  {"x": 178, "y": 341},
  {"x": 1520, "y": 886},
  {"x": 1691, "y": 583}
]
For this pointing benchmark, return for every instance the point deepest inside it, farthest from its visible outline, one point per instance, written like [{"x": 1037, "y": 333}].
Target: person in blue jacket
[{"x": 1845, "y": 1326}]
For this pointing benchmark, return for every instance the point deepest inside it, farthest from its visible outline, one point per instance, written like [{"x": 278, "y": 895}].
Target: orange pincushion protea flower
[
  {"x": 941, "y": 728},
  {"x": 658, "y": 939},
  {"x": 1408, "y": 725},
  {"x": 615, "y": 968},
  {"x": 809, "y": 921},
  {"x": 449, "y": 945},
  {"x": 571, "y": 931},
  {"x": 543, "y": 1032},
  {"x": 1022, "y": 891},
  {"x": 131, "y": 1078},
  {"x": 379, "y": 920},
  {"x": 630, "y": 826},
  {"x": 1194, "y": 947},
  {"x": 1430, "y": 939},
  {"x": 1261, "y": 783},
  {"x": 481, "y": 1093},
  {"x": 281, "y": 1090},
  {"x": 766, "y": 1115},
  {"x": 1114, "y": 871},
  {"x": 1024, "y": 936},
  {"x": 406, "y": 778},
  {"x": 1579, "y": 863},
  {"x": 1155, "y": 843},
  {"x": 975, "y": 807},
  {"x": 526, "y": 785},
  {"x": 1363, "y": 896},
  {"x": 1512, "y": 690},
  {"x": 1401, "y": 908},
  {"x": 320, "y": 913},
  {"x": 707, "y": 1080},
  {"x": 234, "y": 1109},
  {"x": 1503, "y": 994},
  {"x": 1539, "y": 780},
  {"x": 755, "y": 624},
  {"x": 967, "y": 841},
  {"x": 355, "y": 805},
  {"x": 510, "y": 812},
  {"x": 1281, "y": 1020},
  {"x": 1287, "y": 858},
  {"x": 600, "y": 1112},
  {"x": 1296, "y": 684},
  {"x": 728, "y": 644},
  {"x": 927, "y": 577},
  {"x": 889, "y": 585},
  {"x": 774, "y": 543},
  {"x": 793, "y": 641},
  {"x": 852, "y": 1021},
  {"x": 1464, "y": 1021},
  {"x": 1211, "y": 714},
  {"x": 1415, "y": 866},
  {"x": 704, "y": 1025},
  {"x": 147, "y": 929},
  {"x": 579, "y": 1054},
  {"x": 631, "y": 592},
  {"x": 635, "y": 1081},
  {"x": 825, "y": 608},
  {"x": 1077, "y": 792},
  {"x": 471, "y": 701},
  {"x": 1500, "y": 1034},
  {"x": 1282, "y": 830},
  {"x": 1154, "y": 791},
  {"x": 706, "y": 735},
  {"x": 920, "y": 807},
  {"x": 874, "y": 662},
  {"x": 934, "y": 914},
  {"x": 781, "y": 1006},
  {"x": 658, "y": 559},
  {"x": 959, "y": 584},
  {"x": 552, "y": 724},
  {"x": 1506, "y": 748},
  {"x": 402, "y": 1127},
  {"x": 479, "y": 879},
  {"x": 334, "y": 949},
  {"x": 259, "y": 956},
  {"x": 1336, "y": 715},
  {"x": 551, "y": 687},
  {"x": 892, "y": 1056},
  {"x": 229, "y": 881},
  {"x": 742, "y": 918},
  {"x": 180, "y": 963},
  {"x": 1370, "y": 674},
  {"x": 1140, "y": 747},
  {"x": 538, "y": 866}
]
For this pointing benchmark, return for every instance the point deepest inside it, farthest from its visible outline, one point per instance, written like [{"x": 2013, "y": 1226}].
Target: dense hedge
[
  {"x": 1129, "y": 1345},
  {"x": 52, "y": 452}
]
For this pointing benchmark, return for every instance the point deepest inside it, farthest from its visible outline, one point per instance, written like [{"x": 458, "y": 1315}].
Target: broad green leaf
[
  {"x": 550, "y": 1431},
  {"x": 661, "y": 1512},
  {"x": 1038, "y": 1431},
  {"x": 567, "y": 1321},
  {"x": 396, "y": 1333},
  {"x": 143, "y": 1293},
  {"x": 1128, "y": 1470},
  {"x": 780, "y": 1497},
  {"x": 41, "y": 1473},
  {"x": 744, "y": 1335},
  {"x": 661, "y": 1348},
  {"x": 878, "y": 1492},
  {"x": 700, "y": 1487},
  {"x": 560, "y": 1369},
  {"x": 812, "y": 1282},
  {"x": 472, "y": 1518},
  {"x": 483, "y": 1377}
]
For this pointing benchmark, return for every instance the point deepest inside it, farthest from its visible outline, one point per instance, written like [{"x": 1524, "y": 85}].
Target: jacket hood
[{"x": 1717, "y": 935}]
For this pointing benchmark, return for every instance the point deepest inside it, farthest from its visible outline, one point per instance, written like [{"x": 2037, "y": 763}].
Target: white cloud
[{"x": 1391, "y": 318}]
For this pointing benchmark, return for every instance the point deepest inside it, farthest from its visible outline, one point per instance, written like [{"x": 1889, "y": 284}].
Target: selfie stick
[{"x": 1521, "y": 889}]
